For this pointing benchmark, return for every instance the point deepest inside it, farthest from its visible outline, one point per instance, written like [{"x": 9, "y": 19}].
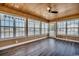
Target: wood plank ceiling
[{"x": 40, "y": 10}]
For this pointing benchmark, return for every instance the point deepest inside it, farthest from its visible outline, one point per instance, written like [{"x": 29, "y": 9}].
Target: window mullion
[
  {"x": 26, "y": 26},
  {"x": 44, "y": 28},
  {"x": 66, "y": 28},
  {"x": 34, "y": 28},
  {"x": 48, "y": 30},
  {"x": 0, "y": 26},
  {"x": 56, "y": 29},
  {"x": 40, "y": 27},
  {"x": 9, "y": 26},
  {"x": 4, "y": 26},
  {"x": 78, "y": 27},
  {"x": 14, "y": 28}
]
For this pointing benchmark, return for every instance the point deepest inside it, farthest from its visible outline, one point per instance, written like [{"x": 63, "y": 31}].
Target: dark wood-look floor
[{"x": 46, "y": 47}]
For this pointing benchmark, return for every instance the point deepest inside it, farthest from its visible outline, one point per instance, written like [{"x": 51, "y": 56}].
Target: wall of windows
[
  {"x": 66, "y": 27},
  {"x": 69, "y": 27},
  {"x": 11, "y": 26},
  {"x": 37, "y": 27}
]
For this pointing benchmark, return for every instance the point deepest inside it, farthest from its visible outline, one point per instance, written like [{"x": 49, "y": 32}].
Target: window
[
  {"x": 43, "y": 28},
  {"x": 52, "y": 29},
  {"x": 20, "y": 26},
  {"x": 61, "y": 28},
  {"x": 11, "y": 26},
  {"x": 37, "y": 27},
  {"x": 31, "y": 27},
  {"x": 72, "y": 27},
  {"x": 6, "y": 26},
  {"x": 46, "y": 28}
]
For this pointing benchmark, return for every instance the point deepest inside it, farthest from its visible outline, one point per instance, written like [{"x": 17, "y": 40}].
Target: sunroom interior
[{"x": 39, "y": 29}]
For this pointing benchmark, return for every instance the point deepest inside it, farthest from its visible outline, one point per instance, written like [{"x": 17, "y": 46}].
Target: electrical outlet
[{"x": 16, "y": 41}]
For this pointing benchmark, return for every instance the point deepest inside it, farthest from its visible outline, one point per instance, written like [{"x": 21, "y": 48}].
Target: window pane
[
  {"x": 17, "y": 31},
  {"x": 46, "y": 25},
  {"x": 46, "y": 28},
  {"x": 43, "y": 28},
  {"x": 30, "y": 31},
  {"x": 37, "y": 27},
  {"x": 37, "y": 24},
  {"x": 43, "y": 31},
  {"x": 37, "y": 31},
  {"x": 17, "y": 22},
  {"x": 22, "y": 32},
  {"x": 43, "y": 25},
  {"x": 2, "y": 32},
  {"x": 11, "y": 21},
  {"x": 31, "y": 26},
  {"x": 2, "y": 23},
  {"x": 30, "y": 23},
  {"x": 11, "y": 32},
  {"x": 52, "y": 29},
  {"x": 6, "y": 23},
  {"x": 6, "y": 31},
  {"x": 6, "y": 20}
]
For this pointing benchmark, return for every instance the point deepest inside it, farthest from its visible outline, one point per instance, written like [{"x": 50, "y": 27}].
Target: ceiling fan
[{"x": 49, "y": 8}]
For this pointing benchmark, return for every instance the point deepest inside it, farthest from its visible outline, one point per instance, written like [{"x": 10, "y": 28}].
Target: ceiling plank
[
  {"x": 39, "y": 10},
  {"x": 69, "y": 17},
  {"x": 8, "y": 10}
]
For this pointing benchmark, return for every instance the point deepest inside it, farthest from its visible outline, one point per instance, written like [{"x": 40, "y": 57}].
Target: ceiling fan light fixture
[
  {"x": 48, "y": 8},
  {"x": 54, "y": 11}
]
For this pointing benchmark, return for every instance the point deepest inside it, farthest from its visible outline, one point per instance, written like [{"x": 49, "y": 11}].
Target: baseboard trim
[{"x": 69, "y": 40}]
